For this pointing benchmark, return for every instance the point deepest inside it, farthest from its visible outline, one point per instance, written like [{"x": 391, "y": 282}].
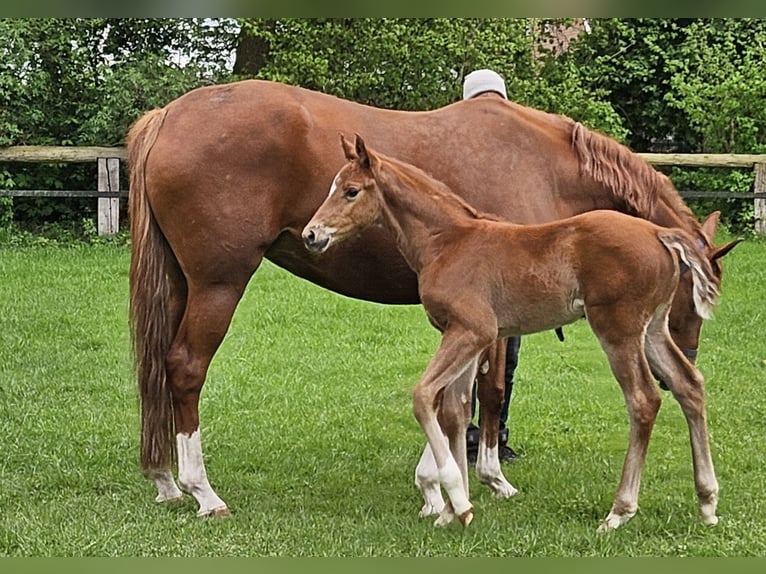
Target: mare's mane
[{"x": 632, "y": 179}]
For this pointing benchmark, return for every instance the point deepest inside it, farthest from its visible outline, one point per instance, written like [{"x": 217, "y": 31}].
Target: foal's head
[{"x": 353, "y": 204}]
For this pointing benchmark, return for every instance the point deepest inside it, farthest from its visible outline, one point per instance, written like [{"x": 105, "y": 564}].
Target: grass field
[{"x": 310, "y": 437}]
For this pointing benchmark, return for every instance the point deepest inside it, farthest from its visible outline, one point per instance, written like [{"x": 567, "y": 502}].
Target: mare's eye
[{"x": 351, "y": 193}]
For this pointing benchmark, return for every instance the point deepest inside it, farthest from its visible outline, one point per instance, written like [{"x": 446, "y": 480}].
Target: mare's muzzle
[{"x": 316, "y": 238}]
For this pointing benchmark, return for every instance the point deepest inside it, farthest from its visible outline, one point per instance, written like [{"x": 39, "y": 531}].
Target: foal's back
[{"x": 539, "y": 277}]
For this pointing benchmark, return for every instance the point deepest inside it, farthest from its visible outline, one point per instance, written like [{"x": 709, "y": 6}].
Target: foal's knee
[{"x": 644, "y": 410}]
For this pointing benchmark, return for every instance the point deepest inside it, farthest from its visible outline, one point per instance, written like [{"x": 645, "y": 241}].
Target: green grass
[{"x": 310, "y": 438}]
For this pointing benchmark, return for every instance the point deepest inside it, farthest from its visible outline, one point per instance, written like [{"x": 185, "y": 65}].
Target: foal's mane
[
  {"x": 411, "y": 176},
  {"x": 629, "y": 177}
]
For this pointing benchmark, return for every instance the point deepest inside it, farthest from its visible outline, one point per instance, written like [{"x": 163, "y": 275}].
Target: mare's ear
[
  {"x": 348, "y": 148},
  {"x": 710, "y": 225},
  {"x": 721, "y": 250},
  {"x": 361, "y": 151}
]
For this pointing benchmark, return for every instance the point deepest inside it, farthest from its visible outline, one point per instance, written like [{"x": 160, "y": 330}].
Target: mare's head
[
  {"x": 684, "y": 322},
  {"x": 354, "y": 201}
]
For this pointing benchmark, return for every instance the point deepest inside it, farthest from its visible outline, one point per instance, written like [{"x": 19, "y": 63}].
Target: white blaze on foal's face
[{"x": 334, "y": 186}]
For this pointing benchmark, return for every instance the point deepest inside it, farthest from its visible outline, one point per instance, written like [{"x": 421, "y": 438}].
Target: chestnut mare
[
  {"x": 481, "y": 278},
  {"x": 226, "y": 175}
]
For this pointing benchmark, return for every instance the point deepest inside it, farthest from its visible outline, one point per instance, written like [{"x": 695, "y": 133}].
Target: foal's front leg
[{"x": 454, "y": 362}]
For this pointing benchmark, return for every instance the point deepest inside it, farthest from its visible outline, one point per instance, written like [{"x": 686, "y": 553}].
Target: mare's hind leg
[
  {"x": 687, "y": 385},
  {"x": 205, "y": 321},
  {"x": 491, "y": 389},
  {"x": 167, "y": 489},
  {"x": 622, "y": 340}
]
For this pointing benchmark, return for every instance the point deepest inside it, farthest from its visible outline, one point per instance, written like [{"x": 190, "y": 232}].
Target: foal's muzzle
[{"x": 316, "y": 238}]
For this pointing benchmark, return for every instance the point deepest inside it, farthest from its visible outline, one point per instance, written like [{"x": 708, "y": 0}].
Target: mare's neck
[
  {"x": 677, "y": 215},
  {"x": 419, "y": 211}
]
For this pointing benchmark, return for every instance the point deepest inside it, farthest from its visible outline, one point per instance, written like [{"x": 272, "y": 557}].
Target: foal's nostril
[{"x": 309, "y": 237}]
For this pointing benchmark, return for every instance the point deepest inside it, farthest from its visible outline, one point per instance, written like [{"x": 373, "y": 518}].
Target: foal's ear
[
  {"x": 361, "y": 151},
  {"x": 348, "y": 148}
]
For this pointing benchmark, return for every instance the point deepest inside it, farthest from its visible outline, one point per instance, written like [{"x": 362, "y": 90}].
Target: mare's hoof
[{"x": 466, "y": 517}]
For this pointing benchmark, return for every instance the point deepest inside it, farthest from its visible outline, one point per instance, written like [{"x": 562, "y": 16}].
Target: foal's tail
[
  {"x": 149, "y": 301},
  {"x": 705, "y": 283}
]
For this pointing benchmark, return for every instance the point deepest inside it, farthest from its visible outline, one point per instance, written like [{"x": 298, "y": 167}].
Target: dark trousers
[{"x": 511, "y": 362}]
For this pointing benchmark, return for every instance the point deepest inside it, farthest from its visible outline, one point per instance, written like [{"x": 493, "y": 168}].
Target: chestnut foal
[{"x": 481, "y": 279}]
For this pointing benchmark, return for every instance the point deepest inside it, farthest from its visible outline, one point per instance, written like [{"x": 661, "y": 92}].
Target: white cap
[{"x": 480, "y": 81}]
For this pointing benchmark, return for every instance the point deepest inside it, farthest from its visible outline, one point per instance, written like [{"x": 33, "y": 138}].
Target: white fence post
[{"x": 108, "y": 207}]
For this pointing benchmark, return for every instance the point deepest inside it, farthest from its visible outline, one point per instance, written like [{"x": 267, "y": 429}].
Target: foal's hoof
[
  {"x": 466, "y": 517},
  {"x": 175, "y": 500},
  {"x": 220, "y": 512}
]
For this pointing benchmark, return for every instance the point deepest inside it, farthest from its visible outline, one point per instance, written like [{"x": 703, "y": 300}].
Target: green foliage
[
  {"x": 719, "y": 82},
  {"x": 417, "y": 64},
  {"x": 76, "y": 81},
  {"x": 686, "y": 85}
]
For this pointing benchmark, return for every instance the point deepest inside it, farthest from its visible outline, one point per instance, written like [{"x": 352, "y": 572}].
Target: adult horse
[{"x": 226, "y": 175}]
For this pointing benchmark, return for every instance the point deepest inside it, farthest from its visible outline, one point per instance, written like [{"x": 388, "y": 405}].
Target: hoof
[
  {"x": 175, "y": 500},
  {"x": 710, "y": 520},
  {"x": 466, "y": 517},
  {"x": 429, "y": 510},
  {"x": 220, "y": 512}
]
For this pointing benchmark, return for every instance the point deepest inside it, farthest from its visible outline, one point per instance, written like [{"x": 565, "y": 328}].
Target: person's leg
[
  {"x": 511, "y": 362},
  {"x": 472, "y": 432}
]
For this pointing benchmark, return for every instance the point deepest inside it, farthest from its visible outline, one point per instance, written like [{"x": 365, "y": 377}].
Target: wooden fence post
[
  {"x": 108, "y": 207},
  {"x": 760, "y": 204}
]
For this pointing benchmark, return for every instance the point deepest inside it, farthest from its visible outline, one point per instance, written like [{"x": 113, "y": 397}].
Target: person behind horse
[{"x": 479, "y": 84}]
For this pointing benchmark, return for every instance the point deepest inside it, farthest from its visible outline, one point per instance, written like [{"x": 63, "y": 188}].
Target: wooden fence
[{"x": 108, "y": 185}]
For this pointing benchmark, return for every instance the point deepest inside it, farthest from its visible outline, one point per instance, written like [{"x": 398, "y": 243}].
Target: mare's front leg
[
  {"x": 206, "y": 319},
  {"x": 491, "y": 389},
  {"x": 453, "y": 361}
]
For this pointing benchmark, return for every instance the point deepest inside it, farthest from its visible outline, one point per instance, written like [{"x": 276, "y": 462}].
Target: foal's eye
[{"x": 351, "y": 193}]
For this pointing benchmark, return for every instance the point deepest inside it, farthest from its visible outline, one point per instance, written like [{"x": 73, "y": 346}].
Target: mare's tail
[
  {"x": 706, "y": 285},
  {"x": 149, "y": 302}
]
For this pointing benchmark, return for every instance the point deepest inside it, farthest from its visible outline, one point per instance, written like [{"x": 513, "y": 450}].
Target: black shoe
[{"x": 506, "y": 453}]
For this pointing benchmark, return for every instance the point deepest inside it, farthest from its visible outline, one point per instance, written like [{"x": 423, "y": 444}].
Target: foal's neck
[{"x": 419, "y": 211}]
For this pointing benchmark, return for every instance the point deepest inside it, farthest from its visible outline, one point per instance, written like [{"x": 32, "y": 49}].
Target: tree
[
  {"x": 77, "y": 81},
  {"x": 415, "y": 64}
]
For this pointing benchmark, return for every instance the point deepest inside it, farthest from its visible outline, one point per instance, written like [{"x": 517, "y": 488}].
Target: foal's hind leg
[
  {"x": 206, "y": 319},
  {"x": 622, "y": 340},
  {"x": 687, "y": 385}
]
